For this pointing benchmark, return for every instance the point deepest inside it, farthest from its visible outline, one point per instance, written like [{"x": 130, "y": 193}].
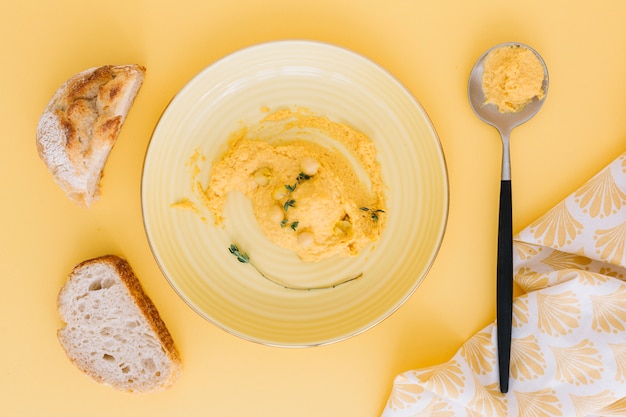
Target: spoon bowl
[
  {"x": 489, "y": 113},
  {"x": 504, "y": 123}
]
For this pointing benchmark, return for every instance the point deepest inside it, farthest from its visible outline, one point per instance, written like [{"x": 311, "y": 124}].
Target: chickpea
[
  {"x": 309, "y": 166},
  {"x": 280, "y": 192},
  {"x": 276, "y": 214},
  {"x": 262, "y": 176},
  {"x": 342, "y": 228},
  {"x": 305, "y": 239}
]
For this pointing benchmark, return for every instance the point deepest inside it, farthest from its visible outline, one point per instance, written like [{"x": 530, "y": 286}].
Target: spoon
[{"x": 504, "y": 123}]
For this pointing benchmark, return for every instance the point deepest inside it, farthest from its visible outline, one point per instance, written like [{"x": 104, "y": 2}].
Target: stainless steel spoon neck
[{"x": 506, "y": 156}]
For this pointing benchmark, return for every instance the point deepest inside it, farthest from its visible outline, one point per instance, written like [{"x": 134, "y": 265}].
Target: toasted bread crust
[{"x": 81, "y": 124}]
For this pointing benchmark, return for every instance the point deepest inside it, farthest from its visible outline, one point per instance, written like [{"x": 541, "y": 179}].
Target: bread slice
[
  {"x": 81, "y": 124},
  {"x": 113, "y": 331}
]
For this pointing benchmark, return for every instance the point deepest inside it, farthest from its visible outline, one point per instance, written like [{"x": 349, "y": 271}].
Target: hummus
[
  {"x": 512, "y": 77},
  {"x": 315, "y": 185}
]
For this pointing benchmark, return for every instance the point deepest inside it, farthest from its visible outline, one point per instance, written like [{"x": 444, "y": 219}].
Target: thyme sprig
[
  {"x": 293, "y": 225},
  {"x": 373, "y": 213},
  {"x": 299, "y": 179},
  {"x": 291, "y": 188},
  {"x": 289, "y": 203},
  {"x": 244, "y": 258},
  {"x": 241, "y": 256}
]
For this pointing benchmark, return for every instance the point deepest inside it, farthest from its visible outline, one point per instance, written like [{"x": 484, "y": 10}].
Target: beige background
[{"x": 429, "y": 46}]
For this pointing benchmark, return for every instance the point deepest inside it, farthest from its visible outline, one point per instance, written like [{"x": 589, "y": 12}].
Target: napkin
[{"x": 568, "y": 353}]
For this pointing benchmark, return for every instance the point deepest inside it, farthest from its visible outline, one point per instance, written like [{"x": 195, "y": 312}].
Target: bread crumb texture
[
  {"x": 81, "y": 123},
  {"x": 113, "y": 332},
  {"x": 512, "y": 77}
]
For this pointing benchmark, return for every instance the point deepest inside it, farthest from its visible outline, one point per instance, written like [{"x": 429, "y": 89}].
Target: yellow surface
[{"x": 429, "y": 46}]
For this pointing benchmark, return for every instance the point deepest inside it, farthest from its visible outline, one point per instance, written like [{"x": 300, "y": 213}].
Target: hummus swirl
[{"x": 318, "y": 200}]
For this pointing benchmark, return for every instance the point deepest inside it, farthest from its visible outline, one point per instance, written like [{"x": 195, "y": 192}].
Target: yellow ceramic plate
[{"x": 193, "y": 253}]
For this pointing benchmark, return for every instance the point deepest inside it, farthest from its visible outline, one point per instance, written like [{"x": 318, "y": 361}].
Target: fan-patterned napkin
[{"x": 568, "y": 353}]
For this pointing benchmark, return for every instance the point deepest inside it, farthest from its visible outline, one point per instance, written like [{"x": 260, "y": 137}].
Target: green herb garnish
[
  {"x": 289, "y": 203},
  {"x": 244, "y": 258},
  {"x": 301, "y": 177},
  {"x": 373, "y": 213},
  {"x": 241, "y": 256},
  {"x": 293, "y": 225}
]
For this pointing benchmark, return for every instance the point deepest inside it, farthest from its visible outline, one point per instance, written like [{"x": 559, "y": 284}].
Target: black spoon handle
[{"x": 504, "y": 290}]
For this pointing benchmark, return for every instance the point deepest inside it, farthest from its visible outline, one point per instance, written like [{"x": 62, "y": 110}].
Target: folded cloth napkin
[{"x": 568, "y": 353}]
